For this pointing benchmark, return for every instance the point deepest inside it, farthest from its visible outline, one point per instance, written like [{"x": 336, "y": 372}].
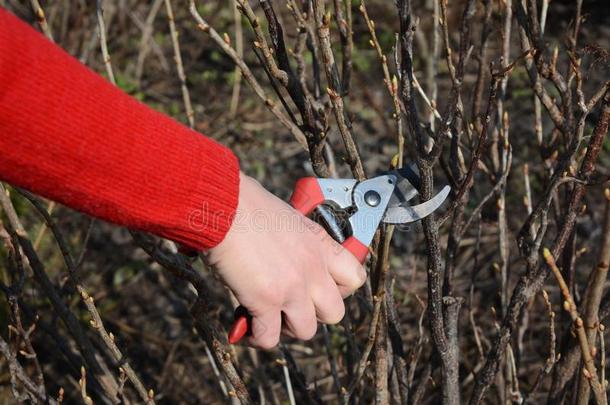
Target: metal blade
[
  {"x": 406, "y": 214},
  {"x": 407, "y": 183}
]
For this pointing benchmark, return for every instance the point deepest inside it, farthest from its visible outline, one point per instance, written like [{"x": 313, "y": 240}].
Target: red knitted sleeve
[{"x": 69, "y": 135}]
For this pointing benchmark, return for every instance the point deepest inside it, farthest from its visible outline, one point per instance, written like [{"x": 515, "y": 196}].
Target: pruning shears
[{"x": 351, "y": 211}]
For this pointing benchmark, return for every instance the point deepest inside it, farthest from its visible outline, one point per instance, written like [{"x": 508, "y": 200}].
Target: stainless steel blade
[{"x": 406, "y": 214}]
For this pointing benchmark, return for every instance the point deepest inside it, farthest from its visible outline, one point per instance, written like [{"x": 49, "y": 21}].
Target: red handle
[
  {"x": 357, "y": 248},
  {"x": 242, "y": 325},
  {"x": 307, "y": 195}
]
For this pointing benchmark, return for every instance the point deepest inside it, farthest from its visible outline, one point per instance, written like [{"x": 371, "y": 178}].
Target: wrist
[{"x": 244, "y": 197}]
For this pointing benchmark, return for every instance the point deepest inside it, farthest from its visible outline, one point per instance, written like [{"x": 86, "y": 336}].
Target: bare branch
[
  {"x": 103, "y": 43},
  {"x": 190, "y": 114},
  {"x": 334, "y": 90},
  {"x": 248, "y": 76},
  {"x": 590, "y": 371}
]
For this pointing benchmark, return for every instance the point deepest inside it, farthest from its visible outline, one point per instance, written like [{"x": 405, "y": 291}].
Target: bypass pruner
[{"x": 351, "y": 212}]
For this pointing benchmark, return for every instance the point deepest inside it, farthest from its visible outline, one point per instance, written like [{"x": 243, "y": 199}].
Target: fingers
[
  {"x": 300, "y": 316},
  {"x": 266, "y": 329},
  {"x": 345, "y": 269},
  {"x": 300, "y": 319},
  {"x": 328, "y": 302}
]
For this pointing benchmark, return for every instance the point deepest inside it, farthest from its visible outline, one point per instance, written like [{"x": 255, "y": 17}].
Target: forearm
[{"x": 68, "y": 135}]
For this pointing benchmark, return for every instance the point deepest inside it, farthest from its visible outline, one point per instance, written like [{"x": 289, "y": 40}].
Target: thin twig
[
  {"x": 42, "y": 19},
  {"x": 33, "y": 392},
  {"x": 593, "y": 293},
  {"x": 288, "y": 382},
  {"x": 43, "y": 226},
  {"x": 273, "y": 106},
  {"x": 391, "y": 84},
  {"x": 239, "y": 48},
  {"x": 344, "y": 23},
  {"x": 101, "y": 26},
  {"x": 186, "y": 96},
  {"x": 69, "y": 319},
  {"x": 334, "y": 90},
  {"x": 145, "y": 40},
  {"x": 96, "y": 320},
  {"x": 590, "y": 371},
  {"x": 370, "y": 341},
  {"x": 552, "y": 356}
]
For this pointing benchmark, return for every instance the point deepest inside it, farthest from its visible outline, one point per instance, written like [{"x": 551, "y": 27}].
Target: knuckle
[
  {"x": 272, "y": 292},
  {"x": 292, "y": 281}
]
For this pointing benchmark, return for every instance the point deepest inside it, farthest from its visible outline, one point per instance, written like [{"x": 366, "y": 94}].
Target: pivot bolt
[{"x": 372, "y": 198}]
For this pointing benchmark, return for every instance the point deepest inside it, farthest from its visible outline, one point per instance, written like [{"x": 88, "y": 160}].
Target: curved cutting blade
[{"x": 403, "y": 214}]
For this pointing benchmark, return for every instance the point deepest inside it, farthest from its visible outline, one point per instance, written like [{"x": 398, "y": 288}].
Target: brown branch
[
  {"x": 395, "y": 333},
  {"x": 382, "y": 268},
  {"x": 381, "y": 360},
  {"x": 25, "y": 336},
  {"x": 205, "y": 329},
  {"x": 262, "y": 44},
  {"x": 552, "y": 357},
  {"x": 391, "y": 84},
  {"x": 41, "y": 19},
  {"x": 482, "y": 61},
  {"x": 534, "y": 76},
  {"x": 436, "y": 306},
  {"x": 186, "y": 96},
  {"x": 590, "y": 371},
  {"x": 407, "y": 27},
  {"x": 370, "y": 342},
  {"x": 314, "y": 119},
  {"x": 451, "y": 313},
  {"x": 103, "y": 43},
  {"x": 248, "y": 76},
  {"x": 96, "y": 321},
  {"x": 68, "y": 318},
  {"x": 33, "y": 392},
  {"x": 239, "y": 48},
  {"x": 570, "y": 358},
  {"x": 593, "y": 294},
  {"x": 344, "y": 23},
  {"x": 462, "y": 195},
  {"x": 334, "y": 90},
  {"x": 145, "y": 40}
]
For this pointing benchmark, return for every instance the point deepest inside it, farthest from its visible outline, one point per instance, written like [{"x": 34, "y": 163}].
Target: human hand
[{"x": 283, "y": 267}]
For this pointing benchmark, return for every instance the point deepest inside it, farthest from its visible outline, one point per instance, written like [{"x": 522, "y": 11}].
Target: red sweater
[{"x": 69, "y": 135}]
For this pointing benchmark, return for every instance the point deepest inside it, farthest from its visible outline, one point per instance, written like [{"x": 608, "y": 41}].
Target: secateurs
[{"x": 351, "y": 212}]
